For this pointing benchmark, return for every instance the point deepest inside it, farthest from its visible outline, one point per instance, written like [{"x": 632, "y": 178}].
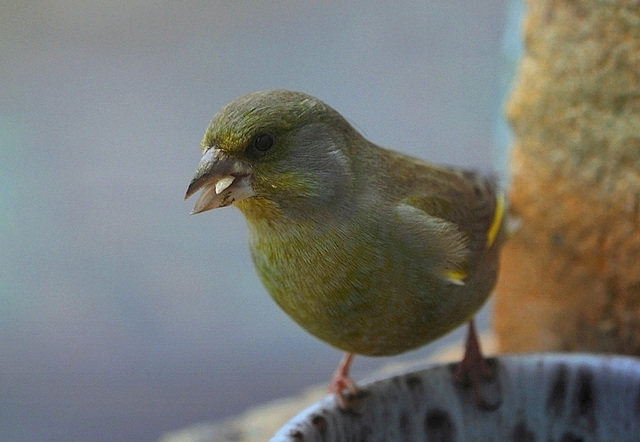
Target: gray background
[{"x": 121, "y": 317}]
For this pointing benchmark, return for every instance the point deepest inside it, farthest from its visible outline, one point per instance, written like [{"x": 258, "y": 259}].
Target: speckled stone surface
[
  {"x": 570, "y": 276},
  {"x": 542, "y": 398}
]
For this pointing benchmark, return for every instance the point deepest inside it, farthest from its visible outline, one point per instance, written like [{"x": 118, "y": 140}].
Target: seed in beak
[{"x": 224, "y": 183}]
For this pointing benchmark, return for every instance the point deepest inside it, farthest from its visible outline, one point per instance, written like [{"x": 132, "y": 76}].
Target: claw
[{"x": 346, "y": 391}]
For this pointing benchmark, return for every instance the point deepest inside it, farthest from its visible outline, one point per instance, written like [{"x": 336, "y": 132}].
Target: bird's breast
[
  {"x": 311, "y": 271},
  {"x": 350, "y": 286}
]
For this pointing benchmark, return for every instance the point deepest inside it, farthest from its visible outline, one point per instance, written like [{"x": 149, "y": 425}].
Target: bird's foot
[
  {"x": 346, "y": 391},
  {"x": 474, "y": 370}
]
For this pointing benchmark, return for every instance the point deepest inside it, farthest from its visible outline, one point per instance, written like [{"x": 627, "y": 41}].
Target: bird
[{"x": 371, "y": 250}]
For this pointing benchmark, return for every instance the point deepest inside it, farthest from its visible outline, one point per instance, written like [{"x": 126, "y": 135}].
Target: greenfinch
[{"x": 370, "y": 250}]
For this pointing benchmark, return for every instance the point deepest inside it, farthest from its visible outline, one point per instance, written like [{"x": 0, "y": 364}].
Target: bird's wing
[{"x": 428, "y": 235}]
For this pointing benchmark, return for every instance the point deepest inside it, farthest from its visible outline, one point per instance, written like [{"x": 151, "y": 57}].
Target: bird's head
[{"x": 275, "y": 151}]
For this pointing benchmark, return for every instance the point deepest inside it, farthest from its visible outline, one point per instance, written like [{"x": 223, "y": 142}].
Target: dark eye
[{"x": 264, "y": 142}]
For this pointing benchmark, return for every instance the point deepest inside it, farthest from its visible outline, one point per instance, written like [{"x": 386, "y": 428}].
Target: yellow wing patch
[
  {"x": 456, "y": 277},
  {"x": 497, "y": 220}
]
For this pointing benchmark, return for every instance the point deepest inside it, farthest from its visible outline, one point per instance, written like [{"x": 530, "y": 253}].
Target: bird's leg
[
  {"x": 342, "y": 385},
  {"x": 474, "y": 367}
]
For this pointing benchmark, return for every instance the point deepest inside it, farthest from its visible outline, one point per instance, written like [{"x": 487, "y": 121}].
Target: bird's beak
[{"x": 223, "y": 180}]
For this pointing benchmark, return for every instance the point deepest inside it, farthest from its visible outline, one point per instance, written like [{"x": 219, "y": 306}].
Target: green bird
[{"x": 372, "y": 251}]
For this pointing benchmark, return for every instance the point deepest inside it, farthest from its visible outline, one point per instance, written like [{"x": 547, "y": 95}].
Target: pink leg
[
  {"x": 473, "y": 366},
  {"x": 341, "y": 383}
]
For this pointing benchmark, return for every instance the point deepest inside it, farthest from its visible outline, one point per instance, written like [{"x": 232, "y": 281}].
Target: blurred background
[{"x": 122, "y": 317}]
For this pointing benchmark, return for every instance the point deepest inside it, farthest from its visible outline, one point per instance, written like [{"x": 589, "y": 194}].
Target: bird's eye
[{"x": 264, "y": 142}]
